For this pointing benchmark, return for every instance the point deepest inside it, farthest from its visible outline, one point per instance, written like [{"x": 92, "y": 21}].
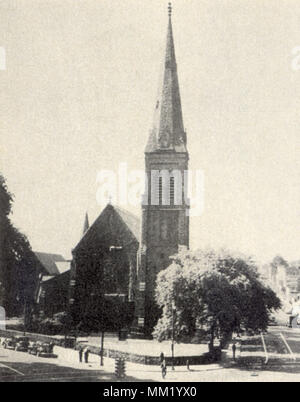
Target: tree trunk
[
  {"x": 212, "y": 338},
  {"x": 225, "y": 338}
]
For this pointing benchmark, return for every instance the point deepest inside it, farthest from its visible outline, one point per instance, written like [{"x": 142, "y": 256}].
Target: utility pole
[
  {"x": 173, "y": 332},
  {"x": 101, "y": 348},
  {"x": 24, "y": 323}
]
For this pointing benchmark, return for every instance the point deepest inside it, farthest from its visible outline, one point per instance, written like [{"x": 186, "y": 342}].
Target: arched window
[
  {"x": 168, "y": 200},
  {"x": 167, "y": 187},
  {"x": 160, "y": 190},
  {"x": 172, "y": 196}
]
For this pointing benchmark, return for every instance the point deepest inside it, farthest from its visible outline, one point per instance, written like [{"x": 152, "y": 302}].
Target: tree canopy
[
  {"x": 17, "y": 261},
  {"x": 216, "y": 293}
]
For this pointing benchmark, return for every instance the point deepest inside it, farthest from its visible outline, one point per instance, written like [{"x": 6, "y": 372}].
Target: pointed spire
[
  {"x": 86, "y": 224},
  {"x": 167, "y": 132},
  {"x": 169, "y": 10}
]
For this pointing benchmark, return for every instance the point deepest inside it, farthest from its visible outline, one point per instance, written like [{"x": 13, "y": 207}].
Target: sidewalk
[
  {"x": 139, "y": 371},
  {"x": 226, "y": 371}
]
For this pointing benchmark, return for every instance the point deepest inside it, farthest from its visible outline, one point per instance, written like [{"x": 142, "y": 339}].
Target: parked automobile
[
  {"x": 21, "y": 343},
  {"x": 41, "y": 348},
  {"x": 32, "y": 348},
  {"x": 9, "y": 343}
]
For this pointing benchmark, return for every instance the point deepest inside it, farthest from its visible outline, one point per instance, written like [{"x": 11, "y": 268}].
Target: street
[
  {"x": 282, "y": 344},
  {"x": 22, "y": 367},
  {"x": 287, "y": 358}
]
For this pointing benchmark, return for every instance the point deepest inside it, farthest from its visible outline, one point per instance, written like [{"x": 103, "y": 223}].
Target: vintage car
[
  {"x": 32, "y": 348},
  {"x": 9, "y": 343},
  {"x": 21, "y": 343},
  {"x": 41, "y": 348}
]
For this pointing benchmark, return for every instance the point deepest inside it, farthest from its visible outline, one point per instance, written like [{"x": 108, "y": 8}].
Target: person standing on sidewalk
[
  {"x": 86, "y": 355},
  {"x": 163, "y": 365},
  {"x": 80, "y": 353},
  {"x": 233, "y": 350}
]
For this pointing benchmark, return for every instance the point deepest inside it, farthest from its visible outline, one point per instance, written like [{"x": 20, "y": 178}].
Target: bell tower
[{"x": 165, "y": 209}]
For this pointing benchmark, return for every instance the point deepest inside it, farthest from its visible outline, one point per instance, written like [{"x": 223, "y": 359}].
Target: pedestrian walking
[
  {"x": 233, "y": 350},
  {"x": 164, "y": 368},
  {"x": 80, "y": 354},
  {"x": 86, "y": 355},
  {"x": 51, "y": 347},
  {"x": 163, "y": 365}
]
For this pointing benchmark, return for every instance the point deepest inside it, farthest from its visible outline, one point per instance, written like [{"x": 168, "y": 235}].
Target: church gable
[
  {"x": 104, "y": 264},
  {"x": 113, "y": 225}
]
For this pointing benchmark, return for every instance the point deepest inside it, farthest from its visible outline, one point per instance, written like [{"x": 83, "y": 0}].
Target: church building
[{"x": 119, "y": 256}]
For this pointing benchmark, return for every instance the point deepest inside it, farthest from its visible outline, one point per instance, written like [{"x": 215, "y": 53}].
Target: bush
[{"x": 49, "y": 325}]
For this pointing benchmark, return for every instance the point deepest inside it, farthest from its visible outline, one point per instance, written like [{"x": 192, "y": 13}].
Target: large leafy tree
[
  {"x": 18, "y": 264},
  {"x": 5, "y": 208},
  {"x": 212, "y": 292}
]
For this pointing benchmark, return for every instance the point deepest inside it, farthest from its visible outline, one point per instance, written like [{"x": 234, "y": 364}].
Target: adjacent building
[
  {"x": 284, "y": 279},
  {"x": 53, "y": 283}
]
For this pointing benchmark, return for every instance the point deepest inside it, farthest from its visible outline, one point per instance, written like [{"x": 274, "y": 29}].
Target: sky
[{"x": 78, "y": 93}]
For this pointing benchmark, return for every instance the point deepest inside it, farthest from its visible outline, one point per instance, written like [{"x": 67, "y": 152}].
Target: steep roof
[
  {"x": 52, "y": 279},
  {"x": 167, "y": 132},
  {"x": 131, "y": 220},
  {"x": 103, "y": 225},
  {"x": 49, "y": 261}
]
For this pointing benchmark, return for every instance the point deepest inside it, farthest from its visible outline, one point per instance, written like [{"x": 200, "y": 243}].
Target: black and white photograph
[{"x": 149, "y": 193}]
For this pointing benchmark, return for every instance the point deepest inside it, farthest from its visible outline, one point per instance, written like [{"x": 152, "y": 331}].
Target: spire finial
[{"x": 170, "y": 9}]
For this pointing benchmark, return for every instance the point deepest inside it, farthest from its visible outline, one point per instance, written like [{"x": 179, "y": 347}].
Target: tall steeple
[
  {"x": 167, "y": 132},
  {"x": 165, "y": 217}
]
